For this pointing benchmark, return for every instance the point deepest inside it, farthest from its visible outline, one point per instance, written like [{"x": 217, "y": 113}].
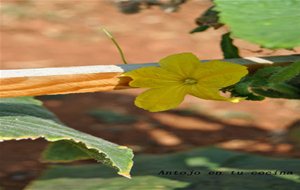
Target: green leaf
[
  {"x": 150, "y": 172},
  {"x": 64, "y": 151},
  {"x": 287, "y": 73},
  {"x": 266, "y": 72},
  {"x": 269, "y": 23},
  {"x": 241, "y": 89},
  {"x": 199, "y": 29},
  {"x": 275, "y": 90},
  {"x": 295, "y": 81},
  {"x": 139, "y": 183},
  {"x": 273, "y": 82},
  {"x": 228, "y": 48},
  {"x": 25, "y": 118}
]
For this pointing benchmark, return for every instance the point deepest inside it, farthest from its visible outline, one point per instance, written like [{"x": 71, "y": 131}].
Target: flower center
[{"x": 190, "y": 81}]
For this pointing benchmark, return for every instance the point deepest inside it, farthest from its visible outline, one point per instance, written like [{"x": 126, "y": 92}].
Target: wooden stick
[{"x": 67, "y": 80}]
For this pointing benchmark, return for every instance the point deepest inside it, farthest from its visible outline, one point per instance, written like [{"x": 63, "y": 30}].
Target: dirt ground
[{"x": 66, "y": 33}]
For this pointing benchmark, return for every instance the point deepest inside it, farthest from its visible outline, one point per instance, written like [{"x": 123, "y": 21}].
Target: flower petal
[
  {"x": 152, "y": 77},
  {"x": 218, "y": 74},
  {"x": 161, "y": 99},
  {"x": 183, "y": 64},
  {"x": 206, "y": 93}
]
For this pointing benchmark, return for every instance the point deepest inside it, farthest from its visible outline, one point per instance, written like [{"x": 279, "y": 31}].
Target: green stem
[{"x": 116, "y": 44}]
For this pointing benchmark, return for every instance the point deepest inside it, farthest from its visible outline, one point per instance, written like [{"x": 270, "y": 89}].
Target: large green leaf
[
  {"x": 269, "y": 23},
  {"x": 150, "y": 173},
  {"x": 25, "y": 118}
]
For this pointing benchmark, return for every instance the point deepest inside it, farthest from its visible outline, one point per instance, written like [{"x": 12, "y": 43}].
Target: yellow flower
[{"x": 182, "y": 74}]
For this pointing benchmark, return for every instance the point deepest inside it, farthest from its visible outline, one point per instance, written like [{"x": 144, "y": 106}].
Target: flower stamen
[{"x": 190, "y": 81}]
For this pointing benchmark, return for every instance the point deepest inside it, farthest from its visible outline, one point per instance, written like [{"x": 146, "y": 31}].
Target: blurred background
[{"x": 57, "y": 33}]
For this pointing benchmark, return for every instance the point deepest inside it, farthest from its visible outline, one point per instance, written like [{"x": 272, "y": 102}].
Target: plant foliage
[
  {"x": 26, "y": 118},
  {"x": 270, "y": 23},
  {"x": 273, "y": 82},
  {"x": 148, "y": 175}
]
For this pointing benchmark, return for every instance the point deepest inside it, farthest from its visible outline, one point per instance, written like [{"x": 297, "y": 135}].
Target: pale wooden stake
[{"x": 67, "y": 80}]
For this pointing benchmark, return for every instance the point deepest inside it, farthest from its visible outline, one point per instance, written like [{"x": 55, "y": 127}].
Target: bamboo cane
[{"x": 80, "y": 79}]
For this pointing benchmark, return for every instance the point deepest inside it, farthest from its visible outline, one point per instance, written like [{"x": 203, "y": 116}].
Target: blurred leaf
[
  {"x": 135, "y": 6},
  {"x": 209, "y": 18},
  {"x": 241, "y": 89},
  {"x": 275, "y": 90},
  {"x": 128, "y": 6},
  {"x": 228, "y": 48},
  {"x": 266, "y": 72},
  {"x": 107, "y": 116},
  {"x": 287, "y": 73},
  {"x": 293, "y": 133},
  {"x": 148, "y": 172},
  {"x": 199, "y": 29},
  {"x": 295, "y": 81},
  {"x": 270, "y": 23},
  {"x": 273, "y": 82},
  {"x": 139, "y": 183},
  {"x": 25, "y": 118}
]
